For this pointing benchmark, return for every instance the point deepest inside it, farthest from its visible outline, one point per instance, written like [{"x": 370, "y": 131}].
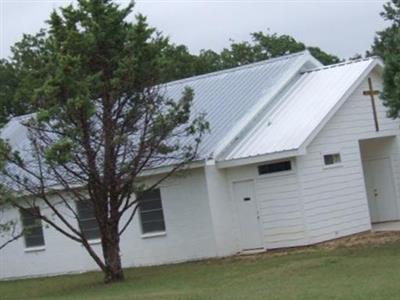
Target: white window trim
[
  {"x": 35, "y": 249},
  {"x": 153, "y": 234},
  {"x": 333, "y": 166},
  {"x": 277, "y": 174},
  {"x": 94, "y": 241}
]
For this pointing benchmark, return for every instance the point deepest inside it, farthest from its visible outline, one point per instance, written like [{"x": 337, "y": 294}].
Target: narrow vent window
[{"x": 275, "y": 167}]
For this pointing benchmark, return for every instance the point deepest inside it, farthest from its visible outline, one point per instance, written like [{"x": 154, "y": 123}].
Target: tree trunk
[{"x": 112, "y": 258}]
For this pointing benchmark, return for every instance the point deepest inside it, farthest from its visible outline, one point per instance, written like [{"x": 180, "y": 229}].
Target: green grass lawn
[{"x": 362, "y": 272}]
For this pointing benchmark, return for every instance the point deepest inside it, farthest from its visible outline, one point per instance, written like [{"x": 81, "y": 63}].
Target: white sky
[{"x": 337, "y": 26}]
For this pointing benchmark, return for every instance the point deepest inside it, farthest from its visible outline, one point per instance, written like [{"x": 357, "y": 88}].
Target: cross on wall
[{"x": 372, "y": 93}]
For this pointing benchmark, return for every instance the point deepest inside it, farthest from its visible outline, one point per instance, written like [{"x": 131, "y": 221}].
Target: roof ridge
[
  {"x": 341, "y": 64},
  {"x": 21, "y": 117},
  {"x": 260, "y": 107},
  {"x": 238, "y": 68}
]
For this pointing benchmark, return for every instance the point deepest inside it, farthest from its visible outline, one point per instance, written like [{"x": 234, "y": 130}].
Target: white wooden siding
[
  {"x": 279, "y": 204},
  {"x": 334, "y": 198},
  {"x": 280, "y": 210},
  {"x": 189, "y": 236}
]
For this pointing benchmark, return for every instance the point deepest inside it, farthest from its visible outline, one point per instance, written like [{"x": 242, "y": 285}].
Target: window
[
  {"x": 332, "y": 159},
  {"x": 275, "y": 167},
  {"x": 151, "y": 212},
  {"x": 87, "y": 220},
  {"x": 33, "y": 231}
]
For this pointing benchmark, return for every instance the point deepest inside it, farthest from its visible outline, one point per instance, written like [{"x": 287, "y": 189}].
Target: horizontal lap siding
[
  {"x": 281, "y": 212},
  {"x": 189, "y": 236},
  {"x": 334, "y": 199}
]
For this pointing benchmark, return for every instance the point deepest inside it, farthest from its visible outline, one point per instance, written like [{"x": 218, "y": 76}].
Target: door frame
[
  {"x": 237, "y": 212},
  {"x": 392, "y": 180}
]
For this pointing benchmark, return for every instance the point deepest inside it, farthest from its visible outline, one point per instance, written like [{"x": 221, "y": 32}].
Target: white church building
[{"x": 298, "y": 153}]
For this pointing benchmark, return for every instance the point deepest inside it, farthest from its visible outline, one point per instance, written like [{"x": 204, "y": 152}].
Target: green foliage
[
  {"x": 21, "y": 75},
  {"x": 4, "y": 153},
  {"x": 387, "y": 45},
  {"x": 24, "y": 79},
  {"x": 60, "y": 152},
  {"x": 266, "y": 46},
  {"x": 323, "y": 57}
]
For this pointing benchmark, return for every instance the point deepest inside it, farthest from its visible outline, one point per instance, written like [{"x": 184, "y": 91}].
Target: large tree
[
  {"x": 101, "y": 121},
  {"x": 387, "y": 45}
]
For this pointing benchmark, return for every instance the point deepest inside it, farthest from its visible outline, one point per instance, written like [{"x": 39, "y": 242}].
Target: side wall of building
[{"x": 189, "y": 235}]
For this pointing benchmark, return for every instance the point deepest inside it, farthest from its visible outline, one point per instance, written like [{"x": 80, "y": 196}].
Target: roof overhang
[
  {"x": 259, "y": 158},
  {"x": 170, "y": 168},
  {"x": 375, "y": 64}
]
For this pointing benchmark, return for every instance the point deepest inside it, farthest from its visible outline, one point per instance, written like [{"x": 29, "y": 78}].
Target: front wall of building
[
  {"x": 279, "y": 205},
  {"x": 334, "y": 197},
  {"x": 315, "y": 203}
]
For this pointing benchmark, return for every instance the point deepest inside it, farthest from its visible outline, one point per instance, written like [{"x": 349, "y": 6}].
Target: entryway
[
  {"x": 377, "y": 155},
  {"x": 246, "y": 205},
  {"x": 386, "y": 226}
]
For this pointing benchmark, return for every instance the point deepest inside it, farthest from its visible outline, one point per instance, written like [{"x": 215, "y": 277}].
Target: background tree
[
  {"x": 101, "y": 121},
  {"x": 26, "y": 70},
  {"x": 387, "y": 45},
  {"x": 21, "y": 75},
  {"x": 265, "y": 46}
]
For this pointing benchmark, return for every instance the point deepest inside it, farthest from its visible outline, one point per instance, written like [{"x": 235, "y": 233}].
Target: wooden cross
[{"x": 371, "y": 92}]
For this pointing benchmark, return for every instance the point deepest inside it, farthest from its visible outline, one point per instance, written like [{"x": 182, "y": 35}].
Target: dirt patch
[
  {"x": 357, "y": 240},
  {"x": 362, "y": 239}
]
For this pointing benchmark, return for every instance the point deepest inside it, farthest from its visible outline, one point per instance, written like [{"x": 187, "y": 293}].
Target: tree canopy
[
  {"x": 387, "y": 45},
  {"x": 25, "y": 71},
  {"x": 101, "y": 120}
]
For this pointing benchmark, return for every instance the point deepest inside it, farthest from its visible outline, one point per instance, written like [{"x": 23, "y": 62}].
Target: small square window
[{"x": 332, "y": 159}]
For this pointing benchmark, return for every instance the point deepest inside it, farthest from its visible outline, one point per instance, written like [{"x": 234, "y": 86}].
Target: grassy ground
[{"x": 369, "y": 269}]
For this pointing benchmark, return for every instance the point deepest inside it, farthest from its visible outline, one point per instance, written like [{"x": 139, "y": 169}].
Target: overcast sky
[{"x": 337, "y": 26}]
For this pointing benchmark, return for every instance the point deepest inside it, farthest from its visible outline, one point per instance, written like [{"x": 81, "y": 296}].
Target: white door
[
  {"x": 380, "y": 190},
  {"x": 250, "y": 236}
]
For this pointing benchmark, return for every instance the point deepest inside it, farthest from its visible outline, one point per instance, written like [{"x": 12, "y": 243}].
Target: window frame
[
  {"x": 38, "y": 225},
  {"x": 154, "y": 233},
  {"x": 278, "y": 173},
  {"x": 334, "y": 164},
  {"x": 95, "y": 240}
]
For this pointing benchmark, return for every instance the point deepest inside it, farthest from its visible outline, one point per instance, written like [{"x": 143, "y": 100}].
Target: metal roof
[
  {"x": 298, "y": 111},
  {"x": 267, "y": 107},
  {"x": 230, "y": 98}
]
